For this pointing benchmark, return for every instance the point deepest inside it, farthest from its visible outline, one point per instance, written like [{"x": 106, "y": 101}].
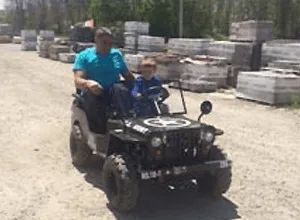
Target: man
[{"x": 97, "y": 72}]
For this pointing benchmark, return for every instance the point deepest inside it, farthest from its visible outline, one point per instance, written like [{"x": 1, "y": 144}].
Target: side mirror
[{"x": 206, "y": 107}]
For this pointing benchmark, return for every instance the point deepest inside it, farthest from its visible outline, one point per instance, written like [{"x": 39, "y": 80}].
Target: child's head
[{"x": 147, "y": 68}]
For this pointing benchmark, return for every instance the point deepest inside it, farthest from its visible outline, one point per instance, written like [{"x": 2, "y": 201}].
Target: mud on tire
[
  {"x": 79, "y": 150},
  {"x": 120, "y": 182}
]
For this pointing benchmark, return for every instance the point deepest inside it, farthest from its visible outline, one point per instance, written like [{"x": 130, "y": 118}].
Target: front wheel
[
  {"x": 80, "y": 152},
  {"x": 218, "y": 182},
  {"x": 120, "y": 182}
]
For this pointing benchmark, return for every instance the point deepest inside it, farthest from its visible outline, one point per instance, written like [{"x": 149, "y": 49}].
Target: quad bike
[{"x": 162, "y": 148}]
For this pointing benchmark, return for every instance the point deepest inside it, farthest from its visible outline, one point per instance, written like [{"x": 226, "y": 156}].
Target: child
[{"x": 144, "y": 107}]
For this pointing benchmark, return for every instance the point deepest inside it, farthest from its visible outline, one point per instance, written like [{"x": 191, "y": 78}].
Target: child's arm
[{"x": 137, "y": 89}]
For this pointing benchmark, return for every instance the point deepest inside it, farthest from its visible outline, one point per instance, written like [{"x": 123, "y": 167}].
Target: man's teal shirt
[{"x": 105, "y": 69}]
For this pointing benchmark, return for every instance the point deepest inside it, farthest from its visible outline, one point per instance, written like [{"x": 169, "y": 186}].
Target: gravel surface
[{"x": 38, "y": 180}]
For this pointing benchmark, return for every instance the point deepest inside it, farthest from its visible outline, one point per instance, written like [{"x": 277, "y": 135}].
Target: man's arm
[{"x": 82, "y": 83}]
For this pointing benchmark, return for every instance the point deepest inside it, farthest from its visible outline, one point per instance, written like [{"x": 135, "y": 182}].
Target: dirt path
[{"x": 38, "y": 181}]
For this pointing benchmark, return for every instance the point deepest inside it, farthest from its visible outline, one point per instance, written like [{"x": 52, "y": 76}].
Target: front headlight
[
  {"x": 208, "y": 136},
  {"x": 156, "y": 141}
]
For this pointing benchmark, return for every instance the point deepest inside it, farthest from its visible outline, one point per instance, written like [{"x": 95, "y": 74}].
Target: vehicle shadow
[{"x": 159, "y": 202}]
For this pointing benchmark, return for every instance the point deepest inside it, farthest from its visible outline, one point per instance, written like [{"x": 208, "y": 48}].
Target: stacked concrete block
[
  {"x": 29, "y": 40},
  {"x": 280, "y": 51},
  {"x": 5, "y": 39},
  {"x": 268, "y": 87},
  {"x": 133, "y": 61},
  {"x": 5, "y": 33},
  {"x": 55, "y": 50},
  {"x": 17, "y": 40},
  {"x": 251, "y": 31},
  {"x": 5, "y": 29},
  {"x": 151, "y": 44},
  {"x": 131, "y": 41},
  {"x": 44, "y": 41},
  {"x": 233, "y": 73},
  {"x": 199, "y": 86},
  {"x": 81, "y": 46},
  {"x": 67, "y": 57},
  {"x": 285, "y": 64},
  {"x": 168, "y": 66},
  {"x": 140, "y": 28},
  {"x": 188, "y": 46},
  {"x": 237, "y": 53},
  {"x": 206, "y": 68}
]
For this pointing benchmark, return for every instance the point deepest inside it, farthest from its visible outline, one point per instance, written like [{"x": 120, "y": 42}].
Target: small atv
[{"x": 163, "y": 148}]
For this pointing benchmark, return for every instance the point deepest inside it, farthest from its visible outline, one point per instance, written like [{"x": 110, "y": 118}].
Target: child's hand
[{"x": 139, "y": 96}]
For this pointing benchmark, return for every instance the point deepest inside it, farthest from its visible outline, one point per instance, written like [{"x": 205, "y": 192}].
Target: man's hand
[{"x": 94, "y": 87}]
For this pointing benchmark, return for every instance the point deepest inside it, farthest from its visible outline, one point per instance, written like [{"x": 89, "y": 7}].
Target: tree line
[{"x": 201, "y": 18}]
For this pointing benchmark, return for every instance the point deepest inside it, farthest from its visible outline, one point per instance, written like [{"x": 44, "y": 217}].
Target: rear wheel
[
  {"x": 120, "y": 182},
  {"x": 218, "y": 182},
  {"x": 80, "y": 152}
]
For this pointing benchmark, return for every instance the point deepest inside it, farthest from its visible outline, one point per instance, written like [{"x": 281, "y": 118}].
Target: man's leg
[
  {"x": 95, "y": 109},
  {"x": 121, "y": 99}
]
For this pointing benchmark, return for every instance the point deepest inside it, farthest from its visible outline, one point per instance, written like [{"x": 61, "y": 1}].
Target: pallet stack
[
  {"x": 133, "y": 29},
  {"x": 29, "y": 40},
  {"x": 150, "y": 44},
  {"x": 5, "y": 33},
  {"x": 133, "y": 61},
  {"x": 188, "y": 46},
  {"x": 44, "y": 41},
  {"x": 268, "y": 87},
  {"x": 55, "y": 50}
]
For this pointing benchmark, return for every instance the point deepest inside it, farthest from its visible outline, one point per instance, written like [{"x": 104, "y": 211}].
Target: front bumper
[{"x": 209, "y": 166}]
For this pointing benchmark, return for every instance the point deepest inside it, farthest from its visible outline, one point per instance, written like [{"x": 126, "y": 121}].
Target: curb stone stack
[
  {"x": 132, "y": 31},
  {"x": 188, "y": 46},
  {"x": 45, "y": 40},
  {"x": 133, "y": 61},
  {"x": 55, "y": 50},
  {"x": 5, "y": 33},
  {"x": 29, "y": 40},
  {"x": 268, "y": 87}
]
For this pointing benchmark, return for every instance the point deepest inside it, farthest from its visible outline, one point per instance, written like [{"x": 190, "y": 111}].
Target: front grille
[{"x": 182, "y": 146}]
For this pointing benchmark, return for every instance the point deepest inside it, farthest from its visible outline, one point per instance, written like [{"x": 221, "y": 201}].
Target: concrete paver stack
[{"x": 29, "y": 40}]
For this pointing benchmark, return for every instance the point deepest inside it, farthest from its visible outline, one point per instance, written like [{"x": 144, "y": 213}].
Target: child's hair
[{"x": 147, "y": 62}]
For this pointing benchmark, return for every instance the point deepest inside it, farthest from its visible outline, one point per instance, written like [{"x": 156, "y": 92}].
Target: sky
[{"x": 1, "y": 4}]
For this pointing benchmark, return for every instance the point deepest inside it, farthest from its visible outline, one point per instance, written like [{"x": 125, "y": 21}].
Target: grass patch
[{"x": 295, "y": 102}]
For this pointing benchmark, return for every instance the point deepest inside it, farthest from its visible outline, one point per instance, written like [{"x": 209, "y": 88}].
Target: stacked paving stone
[
  {"x": 273, "y": 51},
  {"x": 285, "y": 64},
  {"x": 5, "y": 33},
  {"x": 29, "y": 40},
  {"x": 188, "y": 46},
  {"x": 268, "y": 87},
  {"x": 251, "y": 31},
  {"x": 55, "y": 50},
  {"x": 81, "y": 46},
  {"x": 206, "y": 69},
  {"x": 67, "y": 57},
  {"x": 133, "y": 61},
  {"x": 169, "y": 66},
  {"x": 198, "y": 86},
  {"x": 132, "y": 31},
  {"x": 45, "y": 40},
  {"x": 151, "y": 44}
]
